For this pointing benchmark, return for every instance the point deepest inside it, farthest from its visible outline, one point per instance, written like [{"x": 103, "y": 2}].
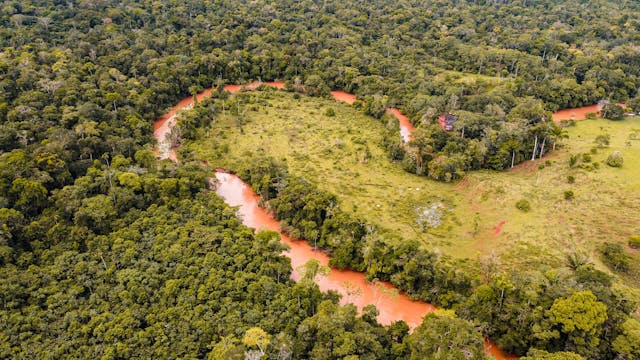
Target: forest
[{"x": 108, "y": 252}]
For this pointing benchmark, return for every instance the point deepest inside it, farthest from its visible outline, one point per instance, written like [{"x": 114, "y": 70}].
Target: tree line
[{"x": 575, "y": 308}]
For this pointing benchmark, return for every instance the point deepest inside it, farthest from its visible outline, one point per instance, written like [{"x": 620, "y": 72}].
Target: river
[
  {"x": 579, "y": 113},
  {"x": 391, "y": 304}
]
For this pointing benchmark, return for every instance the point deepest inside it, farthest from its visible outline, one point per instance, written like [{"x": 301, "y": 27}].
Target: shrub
[
  {"x": 612, "y": 112},
  {"x": 571, "y": 179},
  {"x": 634, "y": 241},
  {"x": 523, "y": 205},
  {"x": 590, "y": 115},
  {"x": 603, "y": 140},
  {"x": 569, "y": 195},
  {"x": 614, "y": 256},
  {"x": 586, "y": 157},
  {"x": 330, "y": 112},
  {"x": 573, "y": 160},
  {"x": 615, "y": 159}
]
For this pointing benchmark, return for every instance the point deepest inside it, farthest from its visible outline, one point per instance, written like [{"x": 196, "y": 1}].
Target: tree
[
  {"x": 627, "y": 344},
  {"x": 442, "y": 335},
  {"x": 256, "y": 337},
  {"x": 312, "y": 269},
  {"x": 543, "y": 355},
  {"x": 612, "y": 111},
  {"x": 96, "y": 212},
  {"x": 315, "y": 86},
  {"x": 578, "y": 319},
  {"x": 29, "y": 195},
  {"x": 558, "y": 134}
]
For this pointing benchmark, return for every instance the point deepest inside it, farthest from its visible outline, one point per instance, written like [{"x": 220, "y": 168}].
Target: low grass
[{"x": 342, "y": 154}]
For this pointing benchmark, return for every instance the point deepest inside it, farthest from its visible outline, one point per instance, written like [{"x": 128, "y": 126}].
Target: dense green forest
[{"x": 107, "y": 252}]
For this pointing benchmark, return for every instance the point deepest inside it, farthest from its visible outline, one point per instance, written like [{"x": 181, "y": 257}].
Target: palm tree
[{"x": 558, "y": 134}]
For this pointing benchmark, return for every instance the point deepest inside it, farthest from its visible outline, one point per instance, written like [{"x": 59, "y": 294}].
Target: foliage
[
  {"x": 612, "y": 112},
  {"x": 615, "y": 256},
  {"x": 634, "y": 241},
  {"x": 579, "y": 318},
  {"x": 543, "y": 355},
  {"x": 106, "y": 252},
  {"x": 603, "y": 140},
  {"x": 569, "y": 195},
  {"x": 443, "y": 335},
  {"x": 523, "y": 205},
  {"x": 335, "y": 332},
  {"x": 330, "y": 112},
  {"x": 627, "y": 344},
  {"x": 615, "y": 159}
]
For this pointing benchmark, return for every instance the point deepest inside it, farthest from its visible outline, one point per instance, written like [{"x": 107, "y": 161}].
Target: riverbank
[{"x": 352, "y": 285}]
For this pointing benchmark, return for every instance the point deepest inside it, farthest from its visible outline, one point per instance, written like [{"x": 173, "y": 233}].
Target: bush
[
  {"x": 571, "y": 179},
  {"x": 523, "y": 205},
  {"x": 330, "y": 112},
  {"x": 590, "y": 115},
  {"x": 569, "y": 195},
  {"x": 614, "y": 256},
  {"x": 634, "y": 241},
  {"x": 615, "y": 159},
  {"x": 573, "y": 160},
  {"x": 586, "y": 157},
  {"x": 612, "y": 112},
  {"x": 603, "y": 140}
]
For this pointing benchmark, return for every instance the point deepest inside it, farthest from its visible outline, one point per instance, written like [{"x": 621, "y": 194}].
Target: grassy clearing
[{"x": 342, "y": 154}]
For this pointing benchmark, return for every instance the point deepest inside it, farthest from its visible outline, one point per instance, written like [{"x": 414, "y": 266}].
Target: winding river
[{"x": 391, "y": 304}]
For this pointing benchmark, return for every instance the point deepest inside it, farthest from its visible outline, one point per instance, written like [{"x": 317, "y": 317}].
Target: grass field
[{"x": 342, "y": 154}]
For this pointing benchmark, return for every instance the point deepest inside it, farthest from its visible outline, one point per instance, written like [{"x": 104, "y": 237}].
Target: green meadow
[{"x": 473, "y": 218}]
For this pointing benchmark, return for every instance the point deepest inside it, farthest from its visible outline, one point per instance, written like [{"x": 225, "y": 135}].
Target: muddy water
[
  {"x": 352, "y": 285},
  {"x": 391, "y": 304},
  {"x": 406, "y": 127},
  {"x": 579, "y": 113},
  {"x": 162, "y": 126},
  {"x": 344, "y": 96}
]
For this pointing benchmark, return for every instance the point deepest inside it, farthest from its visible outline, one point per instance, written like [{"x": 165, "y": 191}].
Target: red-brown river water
[
  {"x": 391, "y": 304},
  {"x": 579, "y": 113}
]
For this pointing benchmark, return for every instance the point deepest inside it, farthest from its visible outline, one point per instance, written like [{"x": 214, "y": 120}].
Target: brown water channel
[
  {"x": 579, "y": 113},
  {"x": 391, "y": 304}
]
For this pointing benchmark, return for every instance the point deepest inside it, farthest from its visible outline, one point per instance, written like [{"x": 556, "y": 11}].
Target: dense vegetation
[
  {"x": 574, "y": 308},
  {"x": 106, "y": 252}
]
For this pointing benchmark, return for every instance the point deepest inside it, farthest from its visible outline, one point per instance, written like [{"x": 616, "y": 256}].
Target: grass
[{"x": 342, "y": 154}]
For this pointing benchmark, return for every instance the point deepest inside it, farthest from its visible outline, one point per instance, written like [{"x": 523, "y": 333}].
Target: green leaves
[
  {"x": 443, "y": 335},
  {"x": 627, "y": 344},
  {"x": 579, "y": 318}
]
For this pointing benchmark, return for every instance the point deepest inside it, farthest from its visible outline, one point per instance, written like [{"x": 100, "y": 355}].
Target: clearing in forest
[{"x": 474, "y": 218}]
